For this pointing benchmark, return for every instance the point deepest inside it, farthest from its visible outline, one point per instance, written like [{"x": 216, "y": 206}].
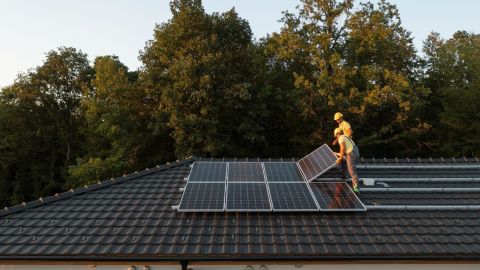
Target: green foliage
[
  {"x": 453, "y": 74},
  {"x": 382, "y": 92},
  {"x": 308, "y": 54},
  {"x": 39, "y": 124},
  {"x": 200, "y": 67},
  {"x": 117, "y": 112},
  {"x": 359, "y": 62}
]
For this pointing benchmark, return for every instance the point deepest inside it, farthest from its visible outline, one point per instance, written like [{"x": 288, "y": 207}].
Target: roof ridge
[
  {"x": 363, "y": 160},
  {"x": 87, "y": 188}
]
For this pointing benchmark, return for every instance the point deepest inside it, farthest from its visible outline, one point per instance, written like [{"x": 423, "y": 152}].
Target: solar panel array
[{"x": 261, "y": 186}]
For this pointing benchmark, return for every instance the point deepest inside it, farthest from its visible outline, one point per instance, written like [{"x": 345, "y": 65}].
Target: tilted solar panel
[
  {"x": 208, "y": 172},
  {"x": 203, "y": 197},
  {"x": 282, "y": 172},
  {"x": 248, "y": 197},
  {"x": 336, "y": 196},
  {"x": 291, "y": 197},
  {"x": 317, "y": 162},
  {"x": 245, "y": 172}
]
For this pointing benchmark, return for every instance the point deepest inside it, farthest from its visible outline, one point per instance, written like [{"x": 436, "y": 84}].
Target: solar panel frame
[
  {"x": 300, "y": 181},
  {"x": 257, "y": 180},
  {"x": 231, "y": 186},
  {"x": 308, "y": 176},
  {"x": 268, "y": 188},
  {"x": 189, "y": 188},
  {"x": 351, "y": 193},
  {"x": 264, "y": 182},
  {"x": 195, "y": 165},
  {"x": 274, "y": 169},
  {"x": 292, "y": 209}
]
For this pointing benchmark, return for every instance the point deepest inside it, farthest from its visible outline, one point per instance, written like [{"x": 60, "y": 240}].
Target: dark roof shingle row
[{"x": 132, "y": 217}]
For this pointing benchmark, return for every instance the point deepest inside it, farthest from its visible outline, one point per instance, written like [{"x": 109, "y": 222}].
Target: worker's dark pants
[{"x": 349, "y": 164}]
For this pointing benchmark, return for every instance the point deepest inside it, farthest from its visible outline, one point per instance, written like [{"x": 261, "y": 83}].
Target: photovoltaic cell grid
[
  {"x": 336, "y": 196},
  {"x": 203, "y": 197},
  {"x": 208, "y": 172},
  {"x": 247, "y": 197},
  {"x": 277, "y": 186},
  {"x": 245, "y": 172},
  {"x": 291, "y": 196},
  {"x": 282, "y": 172},
  {"x": 317, "y": 162}
]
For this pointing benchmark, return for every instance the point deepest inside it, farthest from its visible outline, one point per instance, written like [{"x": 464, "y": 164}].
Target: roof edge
[
  {"x": 363, "y": 160},
  {"x": 242, "y": 258},
  {"x": 101, "y": 184}
]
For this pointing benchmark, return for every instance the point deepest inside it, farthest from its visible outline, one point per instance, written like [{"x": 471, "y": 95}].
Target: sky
[{"x": 31, "y": 28}]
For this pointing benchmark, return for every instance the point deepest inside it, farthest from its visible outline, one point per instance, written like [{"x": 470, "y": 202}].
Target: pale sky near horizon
[{"x": 30, "y": 28}]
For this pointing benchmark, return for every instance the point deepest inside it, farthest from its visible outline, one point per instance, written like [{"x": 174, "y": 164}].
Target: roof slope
[{"x": 132, "y": 218}]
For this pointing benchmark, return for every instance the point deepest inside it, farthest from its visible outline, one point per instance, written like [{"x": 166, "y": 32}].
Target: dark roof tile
[{"x": 133, "y": 216}]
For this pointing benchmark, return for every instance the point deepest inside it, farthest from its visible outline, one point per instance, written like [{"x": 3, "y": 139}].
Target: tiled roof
[{"x": 132, "y": 218}]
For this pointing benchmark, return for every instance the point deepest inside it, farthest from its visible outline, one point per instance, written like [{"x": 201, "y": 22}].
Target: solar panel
[
  {"x": 282, "y": 172},
  {"x": 291, "y": 196},
  {"x": 245, "y": 172},
  {"x": 248, "y": 197},
  {"x": 336, "y": 196},
  {"x": 206, "y": 197},
  {"x": 208, "y": 172},
  {"x": 317, "y": 162}
]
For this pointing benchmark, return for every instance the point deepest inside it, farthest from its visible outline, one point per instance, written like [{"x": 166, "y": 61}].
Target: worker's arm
[
  {"x": 341, "y": 154},
  {"x": 335, "y": 141}
]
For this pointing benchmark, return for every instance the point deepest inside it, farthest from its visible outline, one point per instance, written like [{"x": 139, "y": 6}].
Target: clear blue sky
[{"x": 30, "y": 28}]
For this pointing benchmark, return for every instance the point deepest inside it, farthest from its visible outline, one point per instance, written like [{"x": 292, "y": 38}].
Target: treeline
[{"x": 207, "y": 88}]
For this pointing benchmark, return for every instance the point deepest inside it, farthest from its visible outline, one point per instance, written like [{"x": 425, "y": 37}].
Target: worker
[
  {"x": 346, "y": 157},
  {"x": 344, "y": 125}
]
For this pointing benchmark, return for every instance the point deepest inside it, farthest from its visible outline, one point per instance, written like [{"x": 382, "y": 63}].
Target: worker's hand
[
  {"x": 339, "y": 161},
  {"x": 334, "y": 142},
  {"x": 337, "y": 154}
]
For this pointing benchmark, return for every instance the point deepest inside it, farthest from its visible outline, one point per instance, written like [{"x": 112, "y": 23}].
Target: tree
[
  {"x": 453, "y": 74},
  {"x": 119, "y": 136},
  {"x": 310, "y": 46},
  {"x": 276, "y": 106},
  {"x": 382, "y": 92},
  {"x": 200, "y": 68},
  {"x": 39, "y": 125},
  {"x": 359, "y": 62}
]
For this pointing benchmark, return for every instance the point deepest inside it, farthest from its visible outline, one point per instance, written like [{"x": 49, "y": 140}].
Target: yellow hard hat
[
  {"x": 337, "y": 116},
  {"x": 337, "y": 130}
]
